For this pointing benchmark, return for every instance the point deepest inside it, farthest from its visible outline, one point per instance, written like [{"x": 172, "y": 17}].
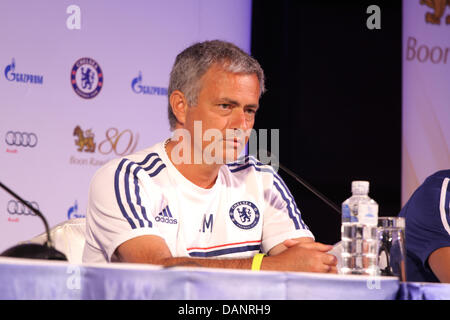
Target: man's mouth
[{"x": 234, "y": 141}]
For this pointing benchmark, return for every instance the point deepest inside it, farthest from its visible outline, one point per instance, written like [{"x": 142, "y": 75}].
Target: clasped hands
[{"x": 306, "y": 255}]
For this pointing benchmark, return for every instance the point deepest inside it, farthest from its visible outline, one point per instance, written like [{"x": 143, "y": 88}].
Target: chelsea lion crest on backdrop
[{"x": 86, "y": 78}]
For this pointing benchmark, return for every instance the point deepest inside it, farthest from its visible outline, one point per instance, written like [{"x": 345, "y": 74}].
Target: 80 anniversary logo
[{"x": 120, "y": 142}]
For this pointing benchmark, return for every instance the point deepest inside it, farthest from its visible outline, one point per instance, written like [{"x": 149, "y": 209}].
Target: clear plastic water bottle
[{"x": 359, "y": 232}]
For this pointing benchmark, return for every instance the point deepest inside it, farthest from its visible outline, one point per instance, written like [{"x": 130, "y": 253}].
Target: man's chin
[
  {"x": 233, "y": 154},
  {"x": 230, "y": 153}
]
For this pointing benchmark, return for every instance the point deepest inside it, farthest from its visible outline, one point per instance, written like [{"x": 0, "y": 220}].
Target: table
[
  {"x": 40, "y": 279},
  {"x": 424, "y": 291}
]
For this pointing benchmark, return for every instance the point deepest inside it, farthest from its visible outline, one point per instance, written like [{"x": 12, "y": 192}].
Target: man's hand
[{"x": 302, "y": 255}]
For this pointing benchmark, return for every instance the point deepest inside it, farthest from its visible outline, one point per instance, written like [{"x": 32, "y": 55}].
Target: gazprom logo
[
  {"x": 11, "y": 75},
  {"x": 139, "y": 88},
  {"x": 73, "y": 212}
]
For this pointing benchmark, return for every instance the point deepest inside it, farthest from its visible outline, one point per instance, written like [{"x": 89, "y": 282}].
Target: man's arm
[
  {"x": 153, "y": 249},
  {"x": 439, "y": 262},
  {"x": 309, "y": 256}
]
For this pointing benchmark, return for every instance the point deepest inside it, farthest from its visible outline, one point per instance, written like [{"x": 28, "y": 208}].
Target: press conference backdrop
[
  {"x": 426, "y": 91},
  {"x": 83, "y": 82}
]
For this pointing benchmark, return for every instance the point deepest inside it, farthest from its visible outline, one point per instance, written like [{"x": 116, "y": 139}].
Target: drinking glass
[{"x": 391, "y": 247}]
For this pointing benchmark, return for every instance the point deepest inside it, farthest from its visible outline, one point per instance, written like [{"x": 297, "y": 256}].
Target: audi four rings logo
[
  {"x": 16, "y": 207},
  {"x": 21, "y": 139}
]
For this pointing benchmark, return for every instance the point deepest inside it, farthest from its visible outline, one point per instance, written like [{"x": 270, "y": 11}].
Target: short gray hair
[{"x": 193, "y": 62}]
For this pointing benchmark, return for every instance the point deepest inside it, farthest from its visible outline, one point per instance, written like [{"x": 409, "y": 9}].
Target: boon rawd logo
[
  {"x": 421, "y": 50},
  {"x": 116, "y": 143},
  {"x": 439, "y": 7},
  {"x": 85, "y": 140}
]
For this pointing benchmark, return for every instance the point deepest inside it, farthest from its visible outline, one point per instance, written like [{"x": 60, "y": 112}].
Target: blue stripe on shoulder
[
  {"x": 297, "y": 211},
  {"x": 147, "y": 158},
  {"x": 138, "y": 198},
  {"x": 126, "y": 179},
  {"x": 291, "y": 215},
  {"x": 117, "y": 191},
  {"x": 153, "y": 164},
  {"x": 244, "y": 163},
  {"x": 240, "y": 161},
  {"x": 155, "y": 173},
  {"x": 127, "y": 193}
]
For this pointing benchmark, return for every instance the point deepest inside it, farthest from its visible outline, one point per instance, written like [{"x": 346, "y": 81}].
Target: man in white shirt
[{"x": 187, "y": 201}]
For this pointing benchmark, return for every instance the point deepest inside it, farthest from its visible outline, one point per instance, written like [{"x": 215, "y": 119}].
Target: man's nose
[{"x": 239, "y": 119}]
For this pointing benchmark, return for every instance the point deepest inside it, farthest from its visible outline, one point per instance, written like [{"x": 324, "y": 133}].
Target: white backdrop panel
[
  {"x": 426, "y": 93},
  {"x": 130, "y": 41}
]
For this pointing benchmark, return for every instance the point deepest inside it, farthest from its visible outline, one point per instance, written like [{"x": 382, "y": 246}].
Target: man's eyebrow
[
  {"x": 230, "y": 101},
  {"x": 234, "y": 102},
  {"x": 253, "y": 106}
]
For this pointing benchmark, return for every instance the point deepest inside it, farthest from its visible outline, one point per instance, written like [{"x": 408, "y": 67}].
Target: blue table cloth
[
  {"x": 424, "y": 291},
  {"x": 38, "y": 279}
]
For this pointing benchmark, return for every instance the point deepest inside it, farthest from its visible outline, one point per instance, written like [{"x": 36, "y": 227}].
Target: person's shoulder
[
  {"x": 148, "y": 158},
  {"x": 124, "y": 170},
  {"x": 426, "y": 200},
  {"x": 438, "y": 176},
  {"x": 247, "y": 164},
  {"x": 435, "y": 182}
]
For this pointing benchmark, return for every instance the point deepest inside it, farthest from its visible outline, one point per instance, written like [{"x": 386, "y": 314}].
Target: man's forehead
[{"x": 218, "y": 76}]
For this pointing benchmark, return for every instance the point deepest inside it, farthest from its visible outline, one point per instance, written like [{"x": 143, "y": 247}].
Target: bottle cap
[{"x": 360, "y": 187}]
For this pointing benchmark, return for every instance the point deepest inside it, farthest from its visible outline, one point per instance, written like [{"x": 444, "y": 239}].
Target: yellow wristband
[{"x": 257, "y": 260}]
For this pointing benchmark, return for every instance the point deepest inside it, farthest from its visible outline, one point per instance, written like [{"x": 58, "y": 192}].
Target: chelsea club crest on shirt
[{"x": 244, "y": 214}]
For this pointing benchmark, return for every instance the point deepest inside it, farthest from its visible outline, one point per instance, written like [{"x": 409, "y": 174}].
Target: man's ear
[{"x": 179, "y": 105}]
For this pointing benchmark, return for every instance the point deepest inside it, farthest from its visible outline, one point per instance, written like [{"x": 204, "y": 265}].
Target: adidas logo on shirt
[{"x": 165, "y": 216}]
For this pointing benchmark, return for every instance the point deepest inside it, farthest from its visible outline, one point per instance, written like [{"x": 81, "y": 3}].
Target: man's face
[{"x": 227, "y": 103}]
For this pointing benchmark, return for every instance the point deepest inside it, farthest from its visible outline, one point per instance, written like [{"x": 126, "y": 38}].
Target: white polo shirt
[{"x": 249, "y": 209}]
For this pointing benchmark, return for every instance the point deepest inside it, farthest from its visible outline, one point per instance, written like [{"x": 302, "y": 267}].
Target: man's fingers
[
  {"x": 329, "y": 268},
  {"x": 326, "y": 269},
  {"x": 333, "y": 270},
  {"x": 290, "y": 243},
  {"x": 317, "y": 246},
  {"x": 329, "y": 259}
]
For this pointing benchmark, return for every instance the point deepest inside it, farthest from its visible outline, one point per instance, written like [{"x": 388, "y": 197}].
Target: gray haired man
[{"x": 171, "y": 205}]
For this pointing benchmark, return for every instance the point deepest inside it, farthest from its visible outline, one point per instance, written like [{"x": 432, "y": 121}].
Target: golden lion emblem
[
  {"x": 439, "y": 9},
  {"x": 85, "y": 140}
]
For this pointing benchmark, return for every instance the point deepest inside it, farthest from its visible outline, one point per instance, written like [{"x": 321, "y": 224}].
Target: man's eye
[
  {"x": 225, "y": 106},
  {"x": 251, "y": 111}
]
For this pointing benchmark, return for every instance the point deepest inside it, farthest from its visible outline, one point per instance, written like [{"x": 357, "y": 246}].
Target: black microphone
[
  {"x": 33, "y": 250},
  {"x": 307, "y": 186}
]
